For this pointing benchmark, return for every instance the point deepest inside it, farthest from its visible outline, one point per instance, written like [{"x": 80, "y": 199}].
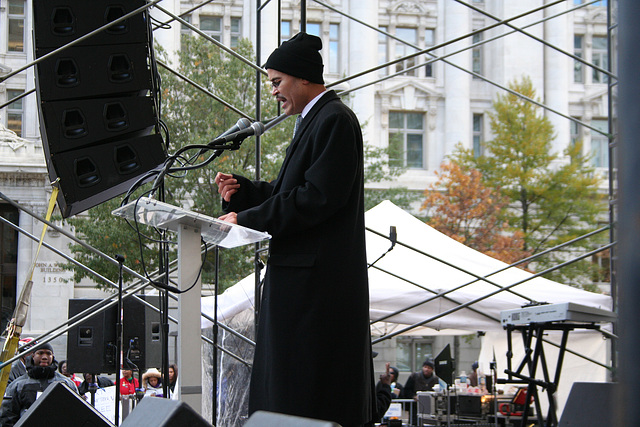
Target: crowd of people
[{"x": 36, "y": 370}]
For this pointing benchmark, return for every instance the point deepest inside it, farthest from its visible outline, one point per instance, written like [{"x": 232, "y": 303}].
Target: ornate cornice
[{"x": 36, "y": 179}]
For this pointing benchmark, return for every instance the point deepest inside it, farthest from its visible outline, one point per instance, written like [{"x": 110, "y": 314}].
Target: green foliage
[
  {"x": 378, "y": 169},
  {"x": 551, "y": 200}
]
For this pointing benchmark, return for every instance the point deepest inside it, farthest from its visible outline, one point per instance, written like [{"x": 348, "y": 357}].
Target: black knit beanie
[{"x": 299, "y": 57}]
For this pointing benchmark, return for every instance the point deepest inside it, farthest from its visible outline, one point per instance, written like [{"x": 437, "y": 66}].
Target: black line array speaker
[
  {"x": 590, "y": 404},
  {"x": 272, "y": 419},
  {"x": 91, "y": 346},
  {"x": 96, "y": 98},
  {"x": 164, "y": 413},
  {"x": 61, "y": 406}
]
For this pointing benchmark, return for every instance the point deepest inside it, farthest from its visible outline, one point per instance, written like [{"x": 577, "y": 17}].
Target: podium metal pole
[{"x": 189, "y": 343}]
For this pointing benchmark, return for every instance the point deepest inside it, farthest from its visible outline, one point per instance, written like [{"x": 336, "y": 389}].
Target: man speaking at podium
[{"x": 313, "y": 347}]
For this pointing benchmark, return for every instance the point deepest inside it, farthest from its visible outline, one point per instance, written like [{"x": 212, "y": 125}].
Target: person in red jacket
[{"x": 128, "y": 383}]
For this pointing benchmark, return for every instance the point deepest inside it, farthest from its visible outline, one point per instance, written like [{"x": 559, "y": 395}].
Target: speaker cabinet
[
  {"x": 271, "y": 419},
  {"x": 60, "y": 22},
  {"x": 589, "y": 404},
  {"x": 94, "y": 174},
  {"x": 158, "y": 412},
  {"x": 98, "y": 117},
  {"x": 91, "y": 346},
  {"x": 61, "y": 406}
]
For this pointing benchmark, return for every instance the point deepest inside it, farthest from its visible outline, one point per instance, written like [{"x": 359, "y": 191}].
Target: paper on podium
[{"x": 168, "y": 217}]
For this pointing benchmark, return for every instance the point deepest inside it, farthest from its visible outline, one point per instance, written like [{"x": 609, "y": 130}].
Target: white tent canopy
[
  {"x": 425, "y": 263},
  {"x": 421, "y": 277},
  {"x": 408, "y": 275}
]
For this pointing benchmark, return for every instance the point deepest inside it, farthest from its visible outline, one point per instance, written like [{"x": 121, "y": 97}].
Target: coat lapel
[{"x": 329, "y": 96}]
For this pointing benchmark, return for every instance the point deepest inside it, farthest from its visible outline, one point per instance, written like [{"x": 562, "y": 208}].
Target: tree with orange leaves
[{"x": 462, "y": 207}]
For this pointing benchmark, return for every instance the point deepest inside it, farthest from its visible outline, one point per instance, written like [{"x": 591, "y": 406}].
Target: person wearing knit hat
[
  {"x": 423, "y": 380},
  {"x": 22, "y": 392},
  {"x": 299, "y": 57},
  {"x": 316, "y": 275},
  {"x": 19, "y": 367}
]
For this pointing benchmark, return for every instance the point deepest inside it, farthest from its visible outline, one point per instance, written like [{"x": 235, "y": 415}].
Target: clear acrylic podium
[
  {"x": 189, "y": 226},
  {"x": 168, "y": 217}
]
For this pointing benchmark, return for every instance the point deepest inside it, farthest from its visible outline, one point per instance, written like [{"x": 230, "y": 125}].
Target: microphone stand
[
  {"x": 216, "y": 391},
  {"x": 93, "y": 389},
  {"x": 494, "y": 374},
  {"x": 120, "y": 260}
]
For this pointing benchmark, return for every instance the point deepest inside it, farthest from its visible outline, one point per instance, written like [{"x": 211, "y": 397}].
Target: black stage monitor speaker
[
  {"x": 271, "y": 419},
  {"x": 157, "y": 412},
  {"x": 98, "y": 118},
  {"x": 589, "y": 404},
  {"x": 91, "y": 346},
  {"x": 61, "y": 406},
  {"x": 444, "y": 365}
]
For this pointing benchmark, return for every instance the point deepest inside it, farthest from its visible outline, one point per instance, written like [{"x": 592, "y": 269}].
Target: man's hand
[
  {"x": 231, "y": 217},
  {"x": 227, "y": 186},
  {"x": 386, "y": 377}
]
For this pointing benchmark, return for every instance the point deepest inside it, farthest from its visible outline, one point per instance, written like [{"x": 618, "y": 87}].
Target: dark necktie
[{"x": 295, "y": 127}]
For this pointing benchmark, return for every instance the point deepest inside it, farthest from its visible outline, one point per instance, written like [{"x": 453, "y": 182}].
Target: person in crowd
[
  {"x": 62, "y": 368},
  {"x": 396, "y": 387},
  {"x": 128, "y": 383},
  {"x": 473, "y": 376},
  {"x": 173, "y": 377},
  {"x": 314, "y": 211},
  {"x": 23, "y": 391},
  {"x": 152, "y": 382},
  {"x": 19, "y": 367},
  {"x": 93, "y": 381},
  {"x": 423, "y": 380},
  {"x": 383, "y": 393}
]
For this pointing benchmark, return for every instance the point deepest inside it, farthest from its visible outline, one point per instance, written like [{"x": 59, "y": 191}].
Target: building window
[
  {"x": 476, "y": 55},
  {"x": 599, "y": 144},
  {"x": 409, "y": 35},
  {"x": 15, "y": 111},
  {"x": 383, "y": 57},
  {"x": 285, "y": 31},
  {"x": 574, "y": 132},
  {"x": 184, "y": 31},
  {"x": 599, "y": 59},
  {"x": 477, "y": 135},
  {"x": 429, "y": 40},
  {"x": 16, "y": 25},
  {"x": 599, "y": 3},
  {"x": 332, "y": 59},
  {"x": 406, "y": 135},
  {"x": 313, "y": 28},
  {"x": 8, "y": 264},
  {"x": 334, "y": 51},
  {"x": 211, "y": 26},
  {"x": 577, "y": 65},
  {"x": 412, "y": 352},
  {"x": 235, "y": 32}
]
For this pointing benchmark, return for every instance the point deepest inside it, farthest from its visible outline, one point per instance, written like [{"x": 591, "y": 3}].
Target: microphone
[
  {"x": 393, "y": 235},
  {"x": 256, "y": 128},
  {"x": 242, "y": 123}
]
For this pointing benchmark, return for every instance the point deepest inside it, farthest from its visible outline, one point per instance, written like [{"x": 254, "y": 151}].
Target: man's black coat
[{"x": 313, "y": 348}]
